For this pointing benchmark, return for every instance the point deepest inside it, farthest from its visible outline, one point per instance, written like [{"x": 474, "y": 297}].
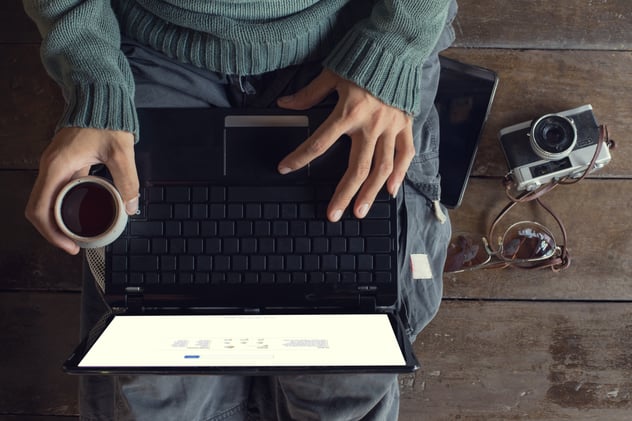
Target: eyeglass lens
[
  {"x": 528, "y": 240},
  {"x": 465, "y": 251}
]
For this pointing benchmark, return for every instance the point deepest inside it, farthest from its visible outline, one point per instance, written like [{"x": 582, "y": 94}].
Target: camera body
[{"x": 552, "y": 147}]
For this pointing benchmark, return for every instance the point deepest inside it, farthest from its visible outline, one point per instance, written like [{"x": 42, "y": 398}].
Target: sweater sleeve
[
  {"x": 385, "y": 52},
  {"x": 81, "y": 51}
]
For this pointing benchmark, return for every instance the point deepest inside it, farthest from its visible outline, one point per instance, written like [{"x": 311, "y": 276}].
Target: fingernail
[
  {"x": 395, "y": 190},
  {"x": 131, "y": 207},
  {"x": 286, "y": 99},
  {"x": 364, "y": 209},
  {"x": 285, "y": 170},
  {"x": 336, "y": 215}
]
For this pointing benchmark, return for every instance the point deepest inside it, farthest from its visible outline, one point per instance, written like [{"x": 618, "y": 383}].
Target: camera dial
[{"x": 553, "y": 136}]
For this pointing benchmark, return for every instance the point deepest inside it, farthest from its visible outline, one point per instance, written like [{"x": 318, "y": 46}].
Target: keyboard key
[
  {"x": 378, "y": 245},
  {"x": 159, "y": 211},
  {"x": 167, "y": 263},
  {"x": 155, "y": 194},
  {"x": 176, "y": 194},
  {"x": 143, "y": 263},
  {"x": 216, "y": 194},
  {"x": 190, "y": 228},
  {"x": 186, "y": 263},
  {"x": 173, "y": 229},
  {"x": 257, "y": 263},
  {"x": 182, "y": 211},
  {"x": 146, "y": 229},
  {"x": 284, "y": 245},
  {"x": 159, "y": 245},
  {"x": 177, "y": 246},
  {"x": 253, "y": 211},
  {"x": 347, "y": 262},
  {"x": 375, "y": 227},
  {"x": 302, "y": 245},
  {"x": 289, "y": 211},
  {"x": 119, "y": 263},
  {"x": 204, "y": 263},
  {"x": 379, "y": 210},
  {"x": 271, "y": 210},
  {"x": 139, "y": 246},
  {"x": 199, "y": 194},
  {"x": 365, "y": 262},
  {"x": 201, "y": 278},
  {"x": 199, "y": 211},
  {"x": 329, "y": 262},
  {"x": 195, "y": 246}
]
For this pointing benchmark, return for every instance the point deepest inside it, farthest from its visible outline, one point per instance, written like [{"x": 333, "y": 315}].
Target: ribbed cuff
[
  {"x": 391, "y": 78},
  {"x": 100, "y": 106}
]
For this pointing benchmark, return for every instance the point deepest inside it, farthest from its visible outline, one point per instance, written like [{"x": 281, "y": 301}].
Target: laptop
[
  {"x": 464, "y": 100},
  {"x": 231, "y": 268}
]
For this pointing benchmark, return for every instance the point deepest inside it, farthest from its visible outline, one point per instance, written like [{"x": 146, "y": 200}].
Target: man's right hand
[{"x": 70, "y": 155}]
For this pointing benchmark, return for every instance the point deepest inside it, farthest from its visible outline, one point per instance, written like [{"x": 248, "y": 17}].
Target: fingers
[
  {"x": 39, "y": 209},
  {"x": 317, "y": 144},
  {"x": 317, "y": 90},
  {"x": 381, "y": 148},
  {"x": 70, "y": 154}
]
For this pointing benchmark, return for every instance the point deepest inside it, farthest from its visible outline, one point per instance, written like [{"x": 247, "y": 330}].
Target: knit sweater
[{"x": 379, "y": 45}]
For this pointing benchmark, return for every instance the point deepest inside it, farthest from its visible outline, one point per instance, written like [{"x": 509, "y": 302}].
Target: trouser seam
[{"x": 243, "y": 406}]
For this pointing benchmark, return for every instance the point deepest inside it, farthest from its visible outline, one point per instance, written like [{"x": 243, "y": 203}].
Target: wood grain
[
  {"x": 27, "y": 261},
  {"x": 31, "y": 106},
  {"x": 15, "y": 25},
  {"x": 596, "y": 215},
  {"x": 534, "y": 83},
  {"x": 39, "y": 331},
  {"x": 523, "y": 360},
  {"x": 542, "y": 24}
]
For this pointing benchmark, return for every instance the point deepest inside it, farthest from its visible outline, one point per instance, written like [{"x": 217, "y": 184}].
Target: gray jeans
[{"x": 161, "y": 82}]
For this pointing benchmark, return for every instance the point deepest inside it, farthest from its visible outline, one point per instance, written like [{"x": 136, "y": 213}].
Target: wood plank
[
  {"x": 15, "y": 25},
  {"x": 27, "y": 261},
  {"x": 596, "y": 214},
  {"x": 523, "y": 360},
  {"x": 39, "y": 331},
  {"x": 24, "y": 417},
  {"x": 565, "y": 24},
  {"x": 534, "y": 83},
  {"x": 542, "y": 24},
  {"x": 31, "y": 107}
]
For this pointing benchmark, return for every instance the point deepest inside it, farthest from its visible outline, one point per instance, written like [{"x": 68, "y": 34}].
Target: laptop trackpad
[{"x": 255, "y": 144}]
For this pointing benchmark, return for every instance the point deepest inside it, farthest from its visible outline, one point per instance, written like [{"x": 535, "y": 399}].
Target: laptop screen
[
  {"x": 296, "y": 340},
  {"x": 464, "y": 99}
]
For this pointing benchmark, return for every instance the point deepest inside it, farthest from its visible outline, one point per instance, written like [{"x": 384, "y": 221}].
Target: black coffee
[{"x": 88, "y": 209}]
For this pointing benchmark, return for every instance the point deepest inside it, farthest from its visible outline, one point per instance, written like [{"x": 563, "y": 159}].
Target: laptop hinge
[
  {"x": 134, "y": 299},
  {"x": 367, "y": 304}
]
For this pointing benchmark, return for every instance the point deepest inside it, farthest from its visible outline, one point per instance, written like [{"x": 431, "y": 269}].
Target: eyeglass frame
[{"x": 560, "y": 258}]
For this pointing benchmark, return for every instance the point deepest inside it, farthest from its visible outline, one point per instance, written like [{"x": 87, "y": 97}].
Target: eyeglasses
[{"x": 525, "y": 245}]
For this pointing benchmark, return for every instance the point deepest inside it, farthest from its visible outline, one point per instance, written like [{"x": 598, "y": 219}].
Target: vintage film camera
[{"x": 552, "y": 147}]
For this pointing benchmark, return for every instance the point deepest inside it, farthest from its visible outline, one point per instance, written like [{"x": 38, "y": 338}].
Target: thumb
[
  {"x": 310, "y": 95},
  {"x": 123, "y": 169}
]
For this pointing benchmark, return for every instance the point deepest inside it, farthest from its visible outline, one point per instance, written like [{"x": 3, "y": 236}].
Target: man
[{"x": 378, "y": 59}]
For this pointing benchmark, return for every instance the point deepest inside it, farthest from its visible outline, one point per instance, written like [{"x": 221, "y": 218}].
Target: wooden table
[{"x": 506, "y": 344}]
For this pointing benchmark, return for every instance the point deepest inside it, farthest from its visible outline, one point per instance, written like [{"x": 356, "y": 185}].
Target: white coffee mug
[{"x": 90, "y": 211}]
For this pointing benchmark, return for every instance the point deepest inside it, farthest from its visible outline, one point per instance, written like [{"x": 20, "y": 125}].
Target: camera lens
[{"x": 553, "y": 136}]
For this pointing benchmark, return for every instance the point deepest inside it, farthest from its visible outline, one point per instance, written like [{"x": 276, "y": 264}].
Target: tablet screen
[{"x": 246, "y": 340}]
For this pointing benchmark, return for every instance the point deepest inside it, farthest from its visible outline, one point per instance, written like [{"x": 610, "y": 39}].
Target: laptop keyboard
[{"x": 240, "y": 234}]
